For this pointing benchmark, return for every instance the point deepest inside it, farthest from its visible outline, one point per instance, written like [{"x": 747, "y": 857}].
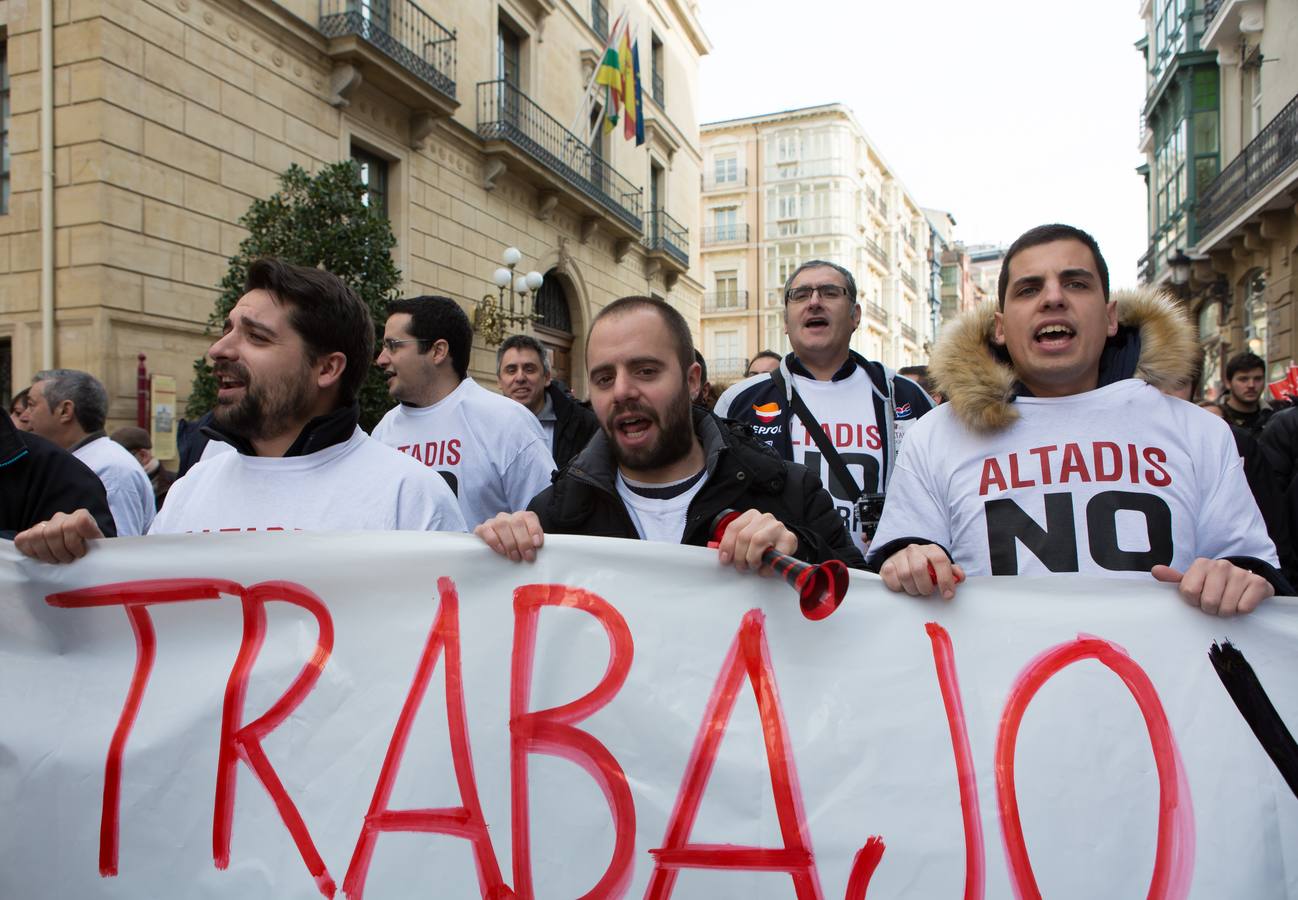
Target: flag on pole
[
  {"x": 609, "y": 74},
  {"x": 637, "y": 95},
  {"x": 628, "y": 86}
]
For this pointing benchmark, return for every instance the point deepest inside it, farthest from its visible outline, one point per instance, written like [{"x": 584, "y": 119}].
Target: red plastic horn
[{"x": 821, "y": 588}]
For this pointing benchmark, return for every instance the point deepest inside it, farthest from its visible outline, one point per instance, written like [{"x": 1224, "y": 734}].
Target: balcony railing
[
  {"x": 731, "y": 181},
  {"x": 804, "y": 227},
  {"x": 876, "y": 312},
  {"x": 909, "y": 280},
  {"x": 734, "y": 233},
  {"x": 725, "y": 301},
  {"x": 1145, "y": 266},
  {"x": 1210, "y": 8},
  {"x": 507, "y": 114},
  {"x": 908, "y": 333},
  {"x": 1273, "y": 151},
  {"x": 411, "y": 37},
  {"x": 669, "y": 236},
  {"x": 659, "y": 94},
  {"x": 599, "y": 18},
  {"x": 726, "y": 368},
  {"x": 877, "y": 252},
  {"x": 805, "y": 168}
]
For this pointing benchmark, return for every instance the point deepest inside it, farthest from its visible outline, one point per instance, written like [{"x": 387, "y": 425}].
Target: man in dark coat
[
  {"x": 524, "y": 375},
  {"x": 39, "y": 478},
  {"x": 660, "y": 470}
]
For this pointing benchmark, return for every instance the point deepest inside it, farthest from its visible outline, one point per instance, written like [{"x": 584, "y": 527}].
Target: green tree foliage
[{"x": 314, "y": 220}]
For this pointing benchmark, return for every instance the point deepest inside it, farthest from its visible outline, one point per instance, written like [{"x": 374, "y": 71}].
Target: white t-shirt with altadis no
[
  {"x": 490, "y": 449},
  {"x": 355, "y": 485},
  {"x": 1108, "y": 482}
]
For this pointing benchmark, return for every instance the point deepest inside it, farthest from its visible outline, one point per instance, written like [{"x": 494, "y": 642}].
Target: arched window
[{"x": 552, "y": 304}]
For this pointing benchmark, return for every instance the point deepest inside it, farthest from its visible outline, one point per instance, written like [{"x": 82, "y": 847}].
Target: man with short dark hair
[
  {"x": 136, "y": 441},
  {"x": 69, "y": 408},
  {"x": 491, "y": 450},
  {"x": 765, "y": 361},
  {"x": 661, "y": 469},
  {"x": 524, "y": 375},
  {"x": 288, "y": 367},
  {"x": 1242, "y": 403},
  {"x": 1056, "y": 452},
  {"x": 825, "y": 405}
]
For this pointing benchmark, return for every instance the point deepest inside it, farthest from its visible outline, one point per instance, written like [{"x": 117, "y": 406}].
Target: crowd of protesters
[{"x": 1049, "y": 435}]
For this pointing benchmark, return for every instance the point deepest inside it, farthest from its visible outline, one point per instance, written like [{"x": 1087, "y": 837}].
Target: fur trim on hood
[{"x": 978, "y": 381}]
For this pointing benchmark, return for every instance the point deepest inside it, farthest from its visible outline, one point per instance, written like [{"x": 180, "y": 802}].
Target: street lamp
[
  {"x": 492, "y": 317},
  {"x": 1178, "y": 265}
]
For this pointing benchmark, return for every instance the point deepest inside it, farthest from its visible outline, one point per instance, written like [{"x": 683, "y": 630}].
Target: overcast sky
[{"x": 1007, "y": 113}]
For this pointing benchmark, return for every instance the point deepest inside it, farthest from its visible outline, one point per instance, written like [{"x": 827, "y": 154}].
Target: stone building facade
[{"x": 170, "y": 116}]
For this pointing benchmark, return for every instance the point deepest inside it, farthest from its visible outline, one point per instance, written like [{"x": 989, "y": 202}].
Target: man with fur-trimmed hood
[{"x": 1057, "y": 452}]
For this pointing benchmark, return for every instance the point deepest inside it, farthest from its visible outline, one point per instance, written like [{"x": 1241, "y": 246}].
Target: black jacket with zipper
[{"x": 742, "y": 473}]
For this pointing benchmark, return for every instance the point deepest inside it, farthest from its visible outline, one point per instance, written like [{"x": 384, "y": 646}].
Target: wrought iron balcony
[
  {"x": 880, "y": 254},
  {"x": 1268, "y": 155},
  {"x": 732, "y": 181},
  {"x": 1145, "y": 266},
  {"x": 554, "y": 155},
  {"x": 909, "y": 280},
  {"x": 908, "y": 333},
  {"x": 599, "y": 18},
  {"x": 725, "y": 301},
  {"x": 734, "y": 233},
  {"x": 726, "y": 368},
  {"x": 669, "y": 237},
  {"x": 876, "y": 312},
  {"x": 401, "y": 31},
  {"x": 1210, "y": 8}
]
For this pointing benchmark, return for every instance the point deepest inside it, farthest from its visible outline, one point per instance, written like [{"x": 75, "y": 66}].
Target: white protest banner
[{"x": 407, "y": 715}]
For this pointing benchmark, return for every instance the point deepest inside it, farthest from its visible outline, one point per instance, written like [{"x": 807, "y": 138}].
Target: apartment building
[
  {"x": 166, "y": 118},
  {"x": 783, "y": 188}
]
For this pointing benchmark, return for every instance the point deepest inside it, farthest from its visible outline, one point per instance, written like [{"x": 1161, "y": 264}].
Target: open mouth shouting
[
  {"x": 632, "y": 428},
  {"x": 1054, "y": 336},
  {"x": 230, "y": 380},
  {"x": 816, "y": 324}
]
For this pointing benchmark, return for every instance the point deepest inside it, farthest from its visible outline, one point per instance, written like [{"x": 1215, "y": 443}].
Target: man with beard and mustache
[
  {"x": 288, "y": 366},
  {"x": 826, "y": 406},
  {"x": 661, "y": 470},
  {"x": 491, "y": 451}
]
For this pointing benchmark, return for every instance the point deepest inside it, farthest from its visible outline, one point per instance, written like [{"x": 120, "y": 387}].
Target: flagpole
[{"x": 583, "y": 107}]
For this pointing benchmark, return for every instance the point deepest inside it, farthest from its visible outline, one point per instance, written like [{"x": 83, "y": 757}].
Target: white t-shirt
[
  {"x": 1109, "y": 482},
  {"x": 130, "y": 494},
  {"x": 658, "y": 519},
  {"x": 490, "y": 449},
  {"x": 355, "y": 485}
]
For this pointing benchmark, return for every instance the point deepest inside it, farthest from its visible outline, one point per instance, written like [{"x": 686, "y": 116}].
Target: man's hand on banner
[
  {"x": 747, "y": 537},
  {"x": 918, "y": 568},
  {"x": 62, "y": 539},
  {"x": 517, "y": 535},
  {"x": 1217, "y": 586}
]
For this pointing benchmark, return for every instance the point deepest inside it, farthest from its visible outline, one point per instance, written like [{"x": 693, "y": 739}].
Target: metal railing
[
  {"x": 908, "y": 333},
  {"x": 876, "y": 312},
  {"x": 507, "y": 114},
  {"x": 599, "y": 18},
  {"x": 803, "y": 227},
  {"x": 877, "y": 252},
  {"x": 725, "y": 301},
  {"x": 805, "y": 168},
  {"x": 909, "y": 280},
  {"x": 1273, "y": 151},
  {"x": 411, "y": 37},
  {"x": 669, "y": 236},
  {"x": 734, "y": 233},
  {"x": 713, "y": 183},
  {"x": 659, "y": 94},
  {"x": 727, "y": 368},
  {"x": 1210, "y": 8},
  {"x": 1145, "y": 266}
]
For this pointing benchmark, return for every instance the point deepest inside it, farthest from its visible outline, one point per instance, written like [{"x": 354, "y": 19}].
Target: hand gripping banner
[{"x": 401, "y": 715}]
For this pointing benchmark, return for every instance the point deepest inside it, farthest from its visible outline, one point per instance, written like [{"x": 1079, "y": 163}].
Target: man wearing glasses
[
  {"x": 826, "y": 406},
  {"x": 492, "y": 451}
]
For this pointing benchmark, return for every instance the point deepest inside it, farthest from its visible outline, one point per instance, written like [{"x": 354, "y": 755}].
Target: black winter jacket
[
  {"x": 573, "y": 428},
  {"x": 38, "y": 479},
  {"x": 743, "y": 473}
]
